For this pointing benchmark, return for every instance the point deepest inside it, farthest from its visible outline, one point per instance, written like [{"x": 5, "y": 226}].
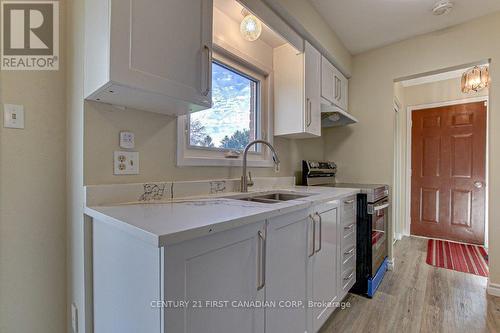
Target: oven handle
[{"x": 372, "y": 209}]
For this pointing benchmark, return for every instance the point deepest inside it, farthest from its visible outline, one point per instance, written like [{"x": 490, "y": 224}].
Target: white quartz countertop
[{"x": 163, "y": 223}]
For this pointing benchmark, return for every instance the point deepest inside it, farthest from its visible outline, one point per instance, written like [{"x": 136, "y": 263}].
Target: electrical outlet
[
  {"x": 127, "y": 140},
  {"x": 74, "y": 318},
  {"x": 126, "y": 163}
]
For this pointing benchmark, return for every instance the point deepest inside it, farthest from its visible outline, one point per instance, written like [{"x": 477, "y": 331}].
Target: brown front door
[{"x": 448, "y": 172}]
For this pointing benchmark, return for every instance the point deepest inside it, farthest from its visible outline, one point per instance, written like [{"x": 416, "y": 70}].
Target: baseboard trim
[
  {"x": 390, "y": 265},
  {"x": 493, "y": 289}
]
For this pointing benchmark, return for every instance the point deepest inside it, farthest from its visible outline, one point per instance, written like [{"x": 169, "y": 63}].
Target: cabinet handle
[
  {"x": 349, "y": 227},
  {"x": 320, "y": 232},
  {"x": 208, "y": 82},
  {"x": 349, "y": 276},
  {"x": 313, "y": 235},
  {"x": 340, "y": 90},
  {"x": 336, "y": 87},
  {"x": 349, "y": 252},
  {"x": 349, "y": 202},
  {"x": 309, "y": 113},
  {"x": 261, "y": 261}
]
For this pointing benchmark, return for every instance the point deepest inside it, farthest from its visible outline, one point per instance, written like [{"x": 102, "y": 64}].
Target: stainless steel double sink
[{"x": 271, "y": 197}]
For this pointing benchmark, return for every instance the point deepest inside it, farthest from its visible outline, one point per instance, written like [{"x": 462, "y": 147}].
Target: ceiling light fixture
[
  {"x": 475, "y": 79},
  {"x": 442, "y": 7},
  {"x": 250, "y": 26}
]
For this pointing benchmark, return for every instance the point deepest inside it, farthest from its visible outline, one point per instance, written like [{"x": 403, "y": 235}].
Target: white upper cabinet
[
  {"x": 334, "y": 85},
  {"x": 152, "y": 55},
  {"x": 297, "y": 92}
]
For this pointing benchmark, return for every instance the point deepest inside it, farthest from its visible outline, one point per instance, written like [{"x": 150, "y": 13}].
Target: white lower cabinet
[
  {"x": 286, "y": 274},
  {"x": 296, "y": 264},
  {"x": 323, "y": 265},
  {"x": 228, "y": 266}
]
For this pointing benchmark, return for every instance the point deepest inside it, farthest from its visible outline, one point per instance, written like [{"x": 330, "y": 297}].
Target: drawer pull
[
  {"x": 349, "y": 202},
  {"x": 349, "y": 252},
  {"x": 349, "y": 227},
  {"x": 349, "y": 276}
]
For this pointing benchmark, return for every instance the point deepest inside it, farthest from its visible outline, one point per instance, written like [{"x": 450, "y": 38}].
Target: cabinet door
[
  {"x": 324, "y": 268},
  {"x": 163, "y": 47},
  {"x": 312, "y": 77},
  {"x": 217, "y": 273},
  {"x": 327, "y": 80},
  {"x": 286, "y": 278},
  {"x": 341, "y": 90}
]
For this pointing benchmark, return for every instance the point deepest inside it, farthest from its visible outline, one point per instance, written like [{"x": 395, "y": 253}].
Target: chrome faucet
[{"x": 245, "y": 182}]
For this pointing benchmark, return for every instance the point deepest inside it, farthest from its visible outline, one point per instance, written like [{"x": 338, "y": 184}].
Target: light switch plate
[
  {"x": 126, "y": 163},
  {"x": 127, "y": 140},
  {"x": 13, "y": 116}
]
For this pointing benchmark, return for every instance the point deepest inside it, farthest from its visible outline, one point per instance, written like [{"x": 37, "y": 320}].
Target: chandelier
[{"x": 475, "y": 79}]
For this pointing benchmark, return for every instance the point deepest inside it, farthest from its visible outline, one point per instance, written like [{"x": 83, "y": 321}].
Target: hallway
[{"x": 417, "y": 297}]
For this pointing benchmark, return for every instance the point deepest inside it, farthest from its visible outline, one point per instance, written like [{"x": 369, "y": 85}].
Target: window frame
[
  {"x": 188, "y": 155},
  {"x": 251, "y": 76}
]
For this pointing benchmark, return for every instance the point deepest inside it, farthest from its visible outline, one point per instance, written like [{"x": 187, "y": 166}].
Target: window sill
[{"x": 228, "y": 162}]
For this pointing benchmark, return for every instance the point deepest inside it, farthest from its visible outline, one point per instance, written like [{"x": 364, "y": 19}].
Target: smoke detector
[{"x": 442, "y": 7}]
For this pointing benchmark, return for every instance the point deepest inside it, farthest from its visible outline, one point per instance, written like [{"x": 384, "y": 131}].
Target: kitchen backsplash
[{"x": 98, "y": 195}]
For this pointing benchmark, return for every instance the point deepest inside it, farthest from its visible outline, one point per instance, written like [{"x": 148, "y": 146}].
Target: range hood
[{"x": 333, "y": 116}]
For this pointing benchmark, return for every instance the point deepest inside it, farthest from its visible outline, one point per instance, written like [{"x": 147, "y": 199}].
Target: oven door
[{"x": 379, "y": 214}]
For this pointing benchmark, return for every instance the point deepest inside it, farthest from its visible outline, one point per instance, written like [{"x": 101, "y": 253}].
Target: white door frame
[
  {"x": 397, "y": 189},
  {"x": 409, "y": 110}
]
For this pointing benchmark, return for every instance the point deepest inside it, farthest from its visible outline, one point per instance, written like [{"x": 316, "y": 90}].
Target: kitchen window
[
  {"x": 240, "y": 114},
  {"x": 233, "y": 120}
]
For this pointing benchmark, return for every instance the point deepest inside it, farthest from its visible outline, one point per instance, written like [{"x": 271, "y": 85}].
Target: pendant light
[
  {"x": 475, "y": 79},
  {"x": 250, "y": 26}
]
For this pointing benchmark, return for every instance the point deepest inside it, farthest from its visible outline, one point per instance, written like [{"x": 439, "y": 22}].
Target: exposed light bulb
[
  {"x": 334, "y": 117},
  {"x": 250, "y": 28}
]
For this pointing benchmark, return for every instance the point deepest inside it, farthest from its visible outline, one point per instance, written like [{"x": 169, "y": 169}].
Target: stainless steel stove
[
  {"x": 320, "y": 173},
  {"x": 372, "y": 223}
]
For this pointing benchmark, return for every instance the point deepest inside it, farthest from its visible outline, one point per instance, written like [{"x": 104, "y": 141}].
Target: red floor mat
[{"x": 465, "y": 258}]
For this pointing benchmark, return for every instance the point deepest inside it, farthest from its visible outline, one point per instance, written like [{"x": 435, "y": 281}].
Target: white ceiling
[
  {"x": 366, "y": 24},
  {"x": 233, "y": 10}
]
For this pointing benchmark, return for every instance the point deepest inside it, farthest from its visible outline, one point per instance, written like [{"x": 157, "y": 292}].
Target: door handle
[
  {"x": 261, "y": 261},
  {"x": 478, "y": 184}
]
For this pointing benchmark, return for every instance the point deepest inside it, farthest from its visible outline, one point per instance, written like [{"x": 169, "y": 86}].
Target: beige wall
[
  {"x": 371, "y": 101},
  {"x": 33, "y": 202},
  {"x": 435, "y": 92}
]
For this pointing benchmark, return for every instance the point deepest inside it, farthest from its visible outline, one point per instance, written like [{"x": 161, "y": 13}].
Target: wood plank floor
[{"x": 416, "y": 297}]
